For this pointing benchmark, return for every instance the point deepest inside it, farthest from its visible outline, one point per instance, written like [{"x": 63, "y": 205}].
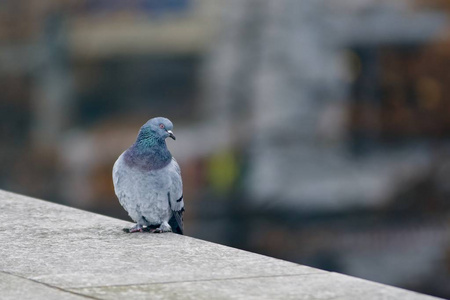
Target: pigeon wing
[
  {"x": 119, "y": 181},
  {"x": 175, "y": 197}
]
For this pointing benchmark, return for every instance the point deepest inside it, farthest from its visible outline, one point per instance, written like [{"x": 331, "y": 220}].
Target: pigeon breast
[{"x": 143, "y": 189}]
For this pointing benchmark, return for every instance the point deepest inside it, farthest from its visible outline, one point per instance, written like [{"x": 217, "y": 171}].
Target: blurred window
[
  {"x": 398, "y": 95},
  {"x": 148, "y": 6},
  {"x": 136, "y": 85}
]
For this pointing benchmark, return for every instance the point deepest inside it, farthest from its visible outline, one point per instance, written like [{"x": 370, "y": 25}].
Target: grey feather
[
  {"x": 176, "y": 222},
  {"x": 147, "y": 180}
]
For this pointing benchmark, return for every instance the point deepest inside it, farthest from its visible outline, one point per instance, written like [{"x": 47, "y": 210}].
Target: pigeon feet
[
  {"x": 135, "y": 228},
  {"x": 164, "y": 227}
]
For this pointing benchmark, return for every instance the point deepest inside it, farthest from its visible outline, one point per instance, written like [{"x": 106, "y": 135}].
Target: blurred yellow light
[{"x": 223, "y": 171}]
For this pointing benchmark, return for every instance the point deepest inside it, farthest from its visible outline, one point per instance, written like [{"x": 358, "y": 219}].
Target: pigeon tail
[{"x": 176, "y": 222}]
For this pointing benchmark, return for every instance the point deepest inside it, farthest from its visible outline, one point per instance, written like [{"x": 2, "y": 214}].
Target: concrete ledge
[{"x": 50, "y": 251}]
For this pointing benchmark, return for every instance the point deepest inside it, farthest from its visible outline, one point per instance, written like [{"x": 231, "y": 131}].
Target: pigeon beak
[{"x": 171, "y": 134}]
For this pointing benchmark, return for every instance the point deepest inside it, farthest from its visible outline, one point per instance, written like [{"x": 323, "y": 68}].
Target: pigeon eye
[{"x": 161, "y": 126}]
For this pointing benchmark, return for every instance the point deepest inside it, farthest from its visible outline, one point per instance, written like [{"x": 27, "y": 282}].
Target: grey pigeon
[{"x": 147, "y": 181}]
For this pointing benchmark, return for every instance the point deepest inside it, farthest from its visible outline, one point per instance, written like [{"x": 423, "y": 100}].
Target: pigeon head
[
  {"x": 150, "y": 152},
  {"x": 158, "y": 128}
]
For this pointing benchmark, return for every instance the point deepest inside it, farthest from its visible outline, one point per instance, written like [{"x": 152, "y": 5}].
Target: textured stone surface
[
  {"x": 49, "y": 250},
  {"x": 14, "y": 287},
  {"x": 313, "y": 286}
]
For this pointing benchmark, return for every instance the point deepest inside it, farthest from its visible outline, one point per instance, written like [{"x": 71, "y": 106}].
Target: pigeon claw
[
  {"x": 164, "y": 227},
  {"x": 135, "y": 228}
]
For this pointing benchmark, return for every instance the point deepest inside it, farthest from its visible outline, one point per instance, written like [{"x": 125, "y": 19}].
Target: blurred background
[{"x": 315, "y": 131}]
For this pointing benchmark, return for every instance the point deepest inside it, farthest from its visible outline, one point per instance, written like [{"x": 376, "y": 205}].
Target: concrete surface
[{"x": 50, "y": 251}]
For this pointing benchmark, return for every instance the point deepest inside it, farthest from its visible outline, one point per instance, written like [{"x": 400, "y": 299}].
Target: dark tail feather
[{"x": 176, "y": 222}]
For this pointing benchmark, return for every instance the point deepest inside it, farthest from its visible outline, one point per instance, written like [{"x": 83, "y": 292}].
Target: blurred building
[
  {"x": 310, "y": 86},
  {"x": 339, "y": 111},
  {"x": 80, "y": 75},
  {"x": 314, "y": 130}
]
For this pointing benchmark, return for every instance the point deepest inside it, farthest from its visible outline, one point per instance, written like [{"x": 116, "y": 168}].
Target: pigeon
[{"x": 147, "y": 181}]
